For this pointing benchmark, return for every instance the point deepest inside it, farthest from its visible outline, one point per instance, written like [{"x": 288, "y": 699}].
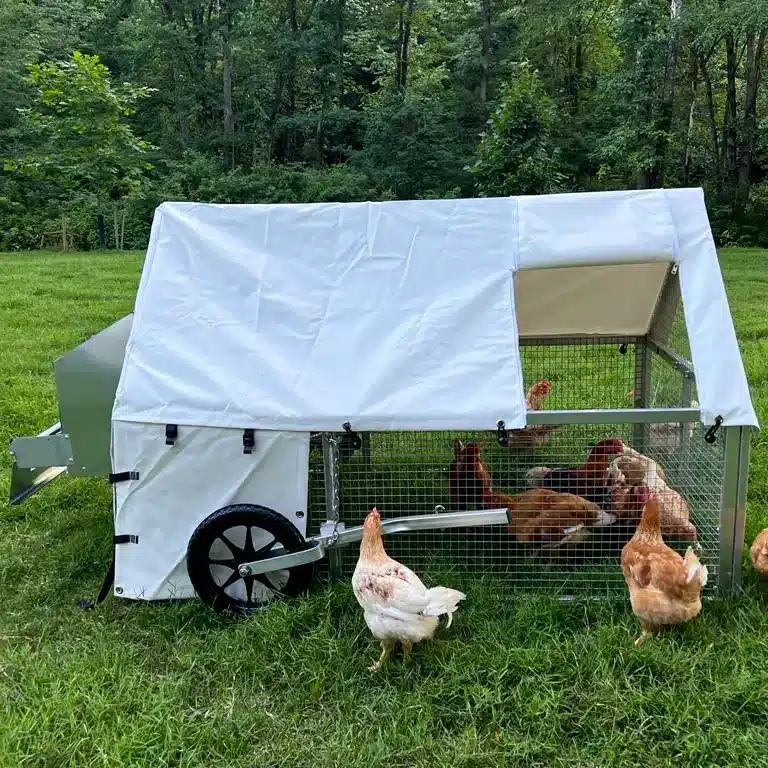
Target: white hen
[{"x": 398, "y": 608}]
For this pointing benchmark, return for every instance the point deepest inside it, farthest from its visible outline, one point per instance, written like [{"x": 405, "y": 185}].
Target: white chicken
[{"x": 398, "y": 608}]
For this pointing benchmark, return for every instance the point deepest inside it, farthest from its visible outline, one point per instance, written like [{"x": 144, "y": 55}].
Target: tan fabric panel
[{"x": 614, "y": 300}]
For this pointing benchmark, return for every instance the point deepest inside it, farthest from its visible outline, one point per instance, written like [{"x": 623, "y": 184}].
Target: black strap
[
  {"x": 171, "y": 433},
  {"x": 126, "y": 538},
  {"x": 119, "y": 477},
  {"x": 109, "y": 580},
  {"x": 249, "y": 440}
]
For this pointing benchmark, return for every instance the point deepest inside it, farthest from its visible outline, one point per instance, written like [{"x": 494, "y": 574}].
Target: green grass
[{"x": 530, "y": 682}]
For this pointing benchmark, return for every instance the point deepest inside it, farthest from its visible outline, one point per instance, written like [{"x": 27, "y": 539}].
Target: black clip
[
  {"x": 248, "y": 440},
  {"x": 502, "y": 438},
  {"x": 357, "y": 441},
  {"x": 120, "y": 477},
  {"x": 712, "y": 431},
  {"x": 623, "y": 349},
  {"x": 126, "y": 538},
  {"x": 171, "y": 433},
  {"x": 349, "y": 443}
]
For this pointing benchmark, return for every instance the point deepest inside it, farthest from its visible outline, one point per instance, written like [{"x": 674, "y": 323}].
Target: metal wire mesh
[{"x": 573, "y": 552}]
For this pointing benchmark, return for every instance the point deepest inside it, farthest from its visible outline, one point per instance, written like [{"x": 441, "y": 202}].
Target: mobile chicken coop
[{"x": 288, "y": 367}]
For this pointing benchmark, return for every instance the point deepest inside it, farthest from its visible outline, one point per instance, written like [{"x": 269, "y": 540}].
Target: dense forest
[{"x": 108, "y": 107}]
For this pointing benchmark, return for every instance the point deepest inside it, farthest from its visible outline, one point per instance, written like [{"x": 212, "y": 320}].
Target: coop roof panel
[
  {"x": 304, "y": 317},
  {"x": 405, "y": 315}
]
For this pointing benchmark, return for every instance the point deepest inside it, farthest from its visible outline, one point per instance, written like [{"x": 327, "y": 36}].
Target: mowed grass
[{"x": 530, "y": 682}]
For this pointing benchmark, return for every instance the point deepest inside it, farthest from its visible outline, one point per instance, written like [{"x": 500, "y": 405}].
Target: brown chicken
[
  {"x": 627, "y": 502},
  {"x": 758, "y": 552},
  {"x": 549, "y": 518},
  {"x": 668, "y": 435},
  {"x": 664, "y": 588},
  {"x": 592, "y": 481},
  {"x": 533, "y": 434},
  {"x": 675, "y": 515},
  {"x": 538, "y": 516},
  {"x": 468, "y": 477}
]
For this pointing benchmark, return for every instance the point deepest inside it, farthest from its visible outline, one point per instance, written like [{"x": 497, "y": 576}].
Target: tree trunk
[
  {"x": 181, "y": 114},
  {"x": 399, "y": 46},
  {"x": 485, "y": 56},
  {"x": 403, "y": 43},
  {"x": 711, "y": 114},
  {"x": 291, "y": 61},
  {"x": 292, "y": 57},
  {"x": 752, "y": 75},
  {"x": 693, "y": 75},
  {"x": 666, "y": 106},
  {"x": 729, "y": 142},
  {"x": 167, "y": 12},
  {"x": 273, "y": 149},
  {"x": 102, "y": 233},
  {"x": 406, "y": 43},
  {"x": 122, "y": 230},
  {"x": 340, "y": 51},
  {"x": 577, "y": 74},
  {"x": 226, "y": 46},
  {"x": 116, "y": 226}
]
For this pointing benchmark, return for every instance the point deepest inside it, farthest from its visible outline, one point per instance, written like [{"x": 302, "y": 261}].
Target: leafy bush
[{"x": 517, "y": 155}]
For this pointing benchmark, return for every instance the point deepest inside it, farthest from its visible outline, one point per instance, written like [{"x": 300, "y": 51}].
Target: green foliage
[
  {"x": 632, "y": 93},
  {"x": 517, "y": 155},
  {"x": 77, "y": 131},
  {"x": 271, "y": 100},
  {"x": 414, "y": 147}
]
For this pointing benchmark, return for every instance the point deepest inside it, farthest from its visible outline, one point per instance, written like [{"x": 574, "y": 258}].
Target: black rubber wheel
[{"x": 242, "y": 533}]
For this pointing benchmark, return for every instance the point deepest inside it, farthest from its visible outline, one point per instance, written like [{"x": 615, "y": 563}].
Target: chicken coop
[{"x": 462, "y": 365}]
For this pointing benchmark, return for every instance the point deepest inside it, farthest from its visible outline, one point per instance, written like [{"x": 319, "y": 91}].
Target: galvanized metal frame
[
  {"x": 733, "y": 508},
  {"x": 578, "y": 340},
  {"x": 615, "y": 416},
  {"x": 27, "y": 479},
  {"x": 332, "y": 504},
  {"x": 643, "y": 367},
  {"x": 333, "y": 535},
  {"x": 673, "y": 358},
  {"x": 321, "y": 545}
]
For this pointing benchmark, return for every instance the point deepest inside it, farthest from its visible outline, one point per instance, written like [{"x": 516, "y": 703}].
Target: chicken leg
[
  {"x": 407, "y": 651},
  {"x": 646, "y": 633},
  {"x": 387, "y": 646}
]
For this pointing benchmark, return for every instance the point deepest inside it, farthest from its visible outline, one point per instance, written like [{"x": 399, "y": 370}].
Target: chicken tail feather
[
  {"x": 604, "y": 518},
  {"x": 694, "y": 568},
  {"x": 442, "y": 600},
  {"x": 535, "y": 476}
]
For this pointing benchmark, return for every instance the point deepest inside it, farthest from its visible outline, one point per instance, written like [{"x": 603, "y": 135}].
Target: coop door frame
[{"x": 733, "y": 508}]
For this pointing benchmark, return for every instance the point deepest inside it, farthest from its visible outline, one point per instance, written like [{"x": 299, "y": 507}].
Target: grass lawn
[{"x": 533, "y": 682}]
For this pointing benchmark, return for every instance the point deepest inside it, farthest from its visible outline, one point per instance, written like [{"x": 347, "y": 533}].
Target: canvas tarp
[{"x": 402, "y": 315}]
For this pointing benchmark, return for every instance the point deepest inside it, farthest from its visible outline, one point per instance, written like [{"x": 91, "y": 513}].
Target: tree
[
  {"x": 517, "y": 155},
  {"x": 333, "y": 99},
  {"x": 78, "y": 134}
]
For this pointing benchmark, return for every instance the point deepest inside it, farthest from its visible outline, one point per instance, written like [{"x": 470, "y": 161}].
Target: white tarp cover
[
  {"x": 180, "y": 485},
  {"x": 302, "y": 317},
  {"x": 394, "y": 315}
]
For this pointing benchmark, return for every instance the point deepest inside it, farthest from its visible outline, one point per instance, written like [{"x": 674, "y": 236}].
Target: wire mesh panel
[
  {"x": 564, "y": 547},
  {"x": 585, "y": 372},
  {"x": 566, "y": 550}
]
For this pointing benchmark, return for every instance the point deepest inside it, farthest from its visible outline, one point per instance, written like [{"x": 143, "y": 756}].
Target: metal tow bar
[{"x": 319, "y": 545}]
